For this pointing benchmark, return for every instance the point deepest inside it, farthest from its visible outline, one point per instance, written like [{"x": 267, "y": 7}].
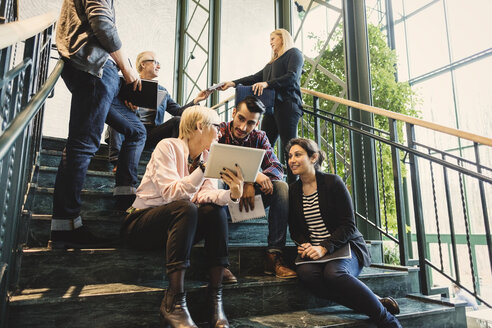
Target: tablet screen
[{"x": 222, "y": 155}]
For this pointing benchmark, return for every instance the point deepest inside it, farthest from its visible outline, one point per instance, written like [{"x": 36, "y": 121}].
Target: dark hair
[
  {"x": 310, "y": 147},
  {"x": 253, "y": 104}
]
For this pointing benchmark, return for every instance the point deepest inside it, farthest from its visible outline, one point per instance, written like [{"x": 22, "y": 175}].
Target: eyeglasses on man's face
[{"x": 156, "y": 62}]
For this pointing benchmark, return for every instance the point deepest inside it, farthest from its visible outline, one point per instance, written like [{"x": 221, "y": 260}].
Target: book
[
  {"x": 341, "y": 253},
  {"x": 147, "y": 97},
  {"x": 257, "y": 213}
]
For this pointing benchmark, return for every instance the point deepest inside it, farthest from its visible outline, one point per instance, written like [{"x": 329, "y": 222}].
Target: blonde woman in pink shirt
[{"x": 176, "y": 206}]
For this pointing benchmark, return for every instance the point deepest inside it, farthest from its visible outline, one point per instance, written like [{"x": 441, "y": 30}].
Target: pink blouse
[{"x": 167, "y": 179}]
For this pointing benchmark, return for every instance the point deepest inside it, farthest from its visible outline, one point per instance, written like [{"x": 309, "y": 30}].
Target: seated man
[
  {"x": 241, "y": 131},
  {"x": 153, "y": 120},
  {"x": 145, "y": 128}
]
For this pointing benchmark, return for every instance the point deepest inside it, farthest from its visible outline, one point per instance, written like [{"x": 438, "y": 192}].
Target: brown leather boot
[
  {"x": 390, "y": 304},
  {"x": 218, "y": 318},
  {"x": 228, "y": 277},
  {"x": 274, "y": 266},
  {"x": 174, "y": 312}
]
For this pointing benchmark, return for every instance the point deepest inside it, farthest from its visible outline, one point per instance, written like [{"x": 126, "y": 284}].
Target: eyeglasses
[
  {"x": 156, "y": 62},
  {"x": 216, "y": 126}
]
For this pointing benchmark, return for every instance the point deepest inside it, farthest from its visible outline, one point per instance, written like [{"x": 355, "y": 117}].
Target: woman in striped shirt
[{"x": 321, "y": 221}]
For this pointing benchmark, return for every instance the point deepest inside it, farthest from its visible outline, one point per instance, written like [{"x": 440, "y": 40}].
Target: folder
[{"x": 147, "y": 97}]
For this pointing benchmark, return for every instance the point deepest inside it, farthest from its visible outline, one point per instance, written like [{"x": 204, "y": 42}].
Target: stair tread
[{"x": 336, "y": 316}]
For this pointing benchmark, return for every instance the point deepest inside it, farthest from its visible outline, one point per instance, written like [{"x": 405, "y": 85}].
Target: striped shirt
[{"x": 317, "y": 228}]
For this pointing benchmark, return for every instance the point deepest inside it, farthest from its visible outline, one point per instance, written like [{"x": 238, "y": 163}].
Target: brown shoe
[
  {"x": 274, "y": 266},
  {"x": 228, "y": 277},
  {"x": 390, "y": 304}
]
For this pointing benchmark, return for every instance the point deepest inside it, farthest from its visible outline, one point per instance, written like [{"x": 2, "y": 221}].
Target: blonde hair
[
  {"x": 192, "y": 116},
  {"x": 287, "y": 43},
  {"x": 140, "y": 59}
]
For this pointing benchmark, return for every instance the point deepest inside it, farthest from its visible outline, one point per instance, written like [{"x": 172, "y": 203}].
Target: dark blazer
[{"x": 337, "y": 212}]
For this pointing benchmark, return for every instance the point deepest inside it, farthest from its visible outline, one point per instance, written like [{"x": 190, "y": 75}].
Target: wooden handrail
[
  {"x": 223, "y": 102},
  {"x": 19, "y": 31},
  {"x": 401, "y": 117}
]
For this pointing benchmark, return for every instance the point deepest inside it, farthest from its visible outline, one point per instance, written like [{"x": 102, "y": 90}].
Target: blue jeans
[
  {"x": 337, "y": 280},
  {"x": 91, "y": 100},
  {"x": 277, "y": 214},
  {"x": 125, "y": 122}
]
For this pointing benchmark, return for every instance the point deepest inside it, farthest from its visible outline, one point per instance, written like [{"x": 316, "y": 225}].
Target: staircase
[{"x": 121, "y": 287}]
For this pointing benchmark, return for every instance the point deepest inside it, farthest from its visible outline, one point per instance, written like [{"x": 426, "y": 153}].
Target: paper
[
  {"x": 341, "y": 253},
  {"x": 257, "y": 213},
  {"x": 161, "y": 94},
  {"x": 215, "y": 86}
]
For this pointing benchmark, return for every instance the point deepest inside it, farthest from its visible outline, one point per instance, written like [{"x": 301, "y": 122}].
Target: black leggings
[
  {"x": 282, "y": 123},
  {"x": 176, "y": 227}
]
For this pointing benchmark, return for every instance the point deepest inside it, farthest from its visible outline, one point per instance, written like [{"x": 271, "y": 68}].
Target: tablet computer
[{"x": 222, "y": 155}]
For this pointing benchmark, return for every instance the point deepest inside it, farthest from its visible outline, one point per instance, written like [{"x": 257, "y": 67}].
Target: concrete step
[
  {"x": 136, "y": 305},
  {"x": 108, "y": 224},
  {"x": 44, "y": 268},
  {"x": 416, "y": 312}
]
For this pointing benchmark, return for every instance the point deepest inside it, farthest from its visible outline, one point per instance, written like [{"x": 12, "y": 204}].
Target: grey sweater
[{"x": 86, "y": 34}]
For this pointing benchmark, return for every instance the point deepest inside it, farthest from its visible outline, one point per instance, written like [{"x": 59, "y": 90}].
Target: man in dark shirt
[
  {"x": 86, "y": 37},
  {"x": 241, "y": 131}
]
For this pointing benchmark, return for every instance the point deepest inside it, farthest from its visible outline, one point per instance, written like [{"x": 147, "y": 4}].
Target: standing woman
[
  {"x": 321, "y": 220},
  {"x": 176, "y": 206},
  {"x": 282, "y": 74}
]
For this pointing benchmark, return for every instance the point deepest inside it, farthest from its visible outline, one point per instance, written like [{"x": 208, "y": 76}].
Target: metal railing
[
  {"x": 420, "y": 188},
  {"x": 24, "y": 87}
]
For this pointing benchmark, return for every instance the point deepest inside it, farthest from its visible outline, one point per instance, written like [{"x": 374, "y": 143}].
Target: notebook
[
  {"x": 147, "y": 97},
  {"x": 341, "y": 253},
  {"x": 257, "y": 213},
  {"x": 267, "y": 98}
]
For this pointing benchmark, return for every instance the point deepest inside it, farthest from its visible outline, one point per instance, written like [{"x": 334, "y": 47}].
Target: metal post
[
  {"x": 399, "y": 196},
  {"x": 214, "y": 48},
  {"x": 180, "y": 50},
  {"x": 317, "y": 131},
  {"x": 390, "y": 29},
  {"x": 484, "y": 204},
  {"x": 283, "y": 14},
  {"x": 424, "y": 272},
  {"x": 365, "y": 183}
]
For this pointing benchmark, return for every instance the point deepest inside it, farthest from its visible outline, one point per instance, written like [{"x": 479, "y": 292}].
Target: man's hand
[
  {"x": 266, "y": 185},
  {"x": 301, "y": 248},
  {"x": 258, "y": 88},
  {"x": 314, "y": 252},
  {"x": 201, "y": 96},
  {"x": 248, "y": 199},
  {"x": 131, "y": 106}
]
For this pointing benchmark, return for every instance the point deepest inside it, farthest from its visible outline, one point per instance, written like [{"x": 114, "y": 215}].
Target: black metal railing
[
  {"x": 418, "y": 207},
  {"x": 24, "y": 87}
]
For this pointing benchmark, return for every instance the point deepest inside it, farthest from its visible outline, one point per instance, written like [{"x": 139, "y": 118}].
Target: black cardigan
[
  {"x": 337, "y": 212},
  {"x": 283, "y": 75}
]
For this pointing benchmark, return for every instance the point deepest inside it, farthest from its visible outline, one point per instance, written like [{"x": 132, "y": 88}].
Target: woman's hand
[
  {"x": 228, "y": 85},
  {"x": 258, "y": 88},
  {"x": 302, "y": 247},
  {"x": 235, "y": 181},
  {"x": 314, "y": 252}
]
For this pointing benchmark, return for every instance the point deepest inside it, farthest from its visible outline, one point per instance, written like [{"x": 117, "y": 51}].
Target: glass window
[
  {"x": 244, "y": 51},
  {"x": 427, "y": 44},
  {"x": 468, "y": 23}
]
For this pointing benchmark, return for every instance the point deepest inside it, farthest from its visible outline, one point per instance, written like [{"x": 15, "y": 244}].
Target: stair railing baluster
[{"x": 436, "y": 214}]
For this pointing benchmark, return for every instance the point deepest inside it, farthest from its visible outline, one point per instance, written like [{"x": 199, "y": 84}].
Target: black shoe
[
  {"x": 77, "y": 238},
  {"x": 174, "y": 312},
  {"x": 390, "y": 304},
  {"x": 217, "y": 316},
  {"x": 123, "y": 202}
]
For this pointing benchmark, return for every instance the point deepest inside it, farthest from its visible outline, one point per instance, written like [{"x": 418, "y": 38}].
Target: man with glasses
[{"x": 146, "y": 128}]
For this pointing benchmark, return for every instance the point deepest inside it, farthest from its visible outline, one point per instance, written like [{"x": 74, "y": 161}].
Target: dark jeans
[
  {"x": 277, "y": 214},
  {"x": 337, "y": 280},
  {"x": 176, "y": 227},
  {"x": 123, "y": 121},
  {"x": 91, "y": 99},
  {"x": 168, "y": 129},
  {"x": 282, "y": 123}
]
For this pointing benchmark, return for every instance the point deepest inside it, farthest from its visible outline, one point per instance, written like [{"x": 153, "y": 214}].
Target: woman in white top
[{"x": 166, "y": 214}]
